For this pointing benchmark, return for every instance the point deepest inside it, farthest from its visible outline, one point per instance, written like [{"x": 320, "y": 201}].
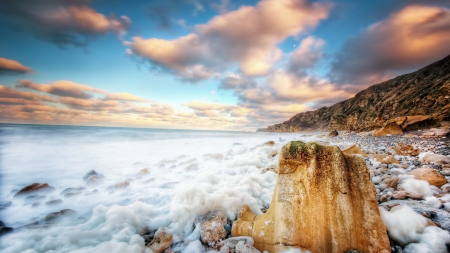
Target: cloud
[
  {"x": 10, "y": 93},
  {"x": 306, "y": 56},
  {"x": 64, "y": 22},
  {"x": 61, "y": 88},
  {"x": 8, "y": 66},
  {"x": 246, "y": 37},
  {"x": 408, "y": 39},
  {"x": 222, "y": 6},
  {"x": 124, "y": 96},
  {"x": 162, "y": 11}
]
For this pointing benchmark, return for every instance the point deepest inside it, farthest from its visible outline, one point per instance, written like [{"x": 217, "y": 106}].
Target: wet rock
[
  {"x": 54, "y": 202},
  {"x": 34, "y": 188},
  {"x": 406, "y": 149},
  {"x": 389, "y": 129},
  {"x": 391, "y": 182},
  {"x": 162, "y": 240},
  {"x": 353, "y": 150},
  {"x": 436, "y": 132},
  {"x": 94, "y": 180},
  {"x": 143, "y": 172},
  {"x": 213, "y": 228},
  {"x": 56, "y": 217},
  {"x": 432, "y": 176},
  {"x": 4, "y": 229},
  {"x": 120, "y": 185},
  {"x": 269, "y": 143},
  {"x": 241, "y": 247},
  {"x": 271, "y": 168},
  {"x": 91, "y": 173},
  {"x": 435, "y": 159},
  {"x": 399, "y": 195},
  {"x": 224, "y": 249},
  {"x": 5, "y": 204},
  {"x": 70, "y": 192},
  {"x": 414, "y": 195},
  {"x": 329, "y": 185},
  {"x": 333, "y": 133}
]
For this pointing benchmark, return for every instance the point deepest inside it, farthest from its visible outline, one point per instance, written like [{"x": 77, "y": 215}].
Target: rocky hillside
[{"x": 423, "y": 95}]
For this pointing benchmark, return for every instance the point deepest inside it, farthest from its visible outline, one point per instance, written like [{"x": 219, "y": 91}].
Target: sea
[{"x": 190, "y": 173}]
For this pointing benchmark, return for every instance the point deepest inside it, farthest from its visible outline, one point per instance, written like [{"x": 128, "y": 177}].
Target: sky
[{"x": 204, "y": 64}]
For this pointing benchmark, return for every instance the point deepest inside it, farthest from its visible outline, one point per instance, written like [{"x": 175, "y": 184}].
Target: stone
[
  {"x": 143, "y": 172},
  {"x": 56, "y": 217},
  {"x": 91, "y": 173},
  {"x": 241, "y": 247},
  {"x": 323, "y": 202},
  {"x": 6, "y": 230},
  {"x": 389, "y": 129},
  {"x": 434, "y": 158},
  {"x": 436, "y": 132},
  {"x": 224, "y": 249},
  {"x": 333, "y": 133},
  {"x": 120, "y": 185},
  {"x": 391, "y": 182},
  {"x": 34, "y": 188},
  {"x": 53, "y": 202},
  {"x": 410, "y": 136},
  {"x": 233, "y": 241},
  {"x": 269, "y": 143},
  {"x": 94, "y": 180},
  {"x": 432, "y": 176},
  {"x": 406, "y": 149},
  {"x": 272, "y": 153},
  {"x": 353, "y": 150},
  {"x": 414, "y": 195},
  {"x": 213, "y": 227},
  {"x": 70, "y": 192},
  {"x": 399, "y": 195},
  {"x": 387, "y": 159},
  {"x": 162, "y": 240}
]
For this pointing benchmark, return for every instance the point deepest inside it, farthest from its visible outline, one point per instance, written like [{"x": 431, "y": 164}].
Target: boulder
[
  {"x": 91, "y": 173},
  {"x": 162, "y": 240},
  {"x": 213, "y": 228},
  {"x": 56, "y": 217},
  {"x": 94, "y": 180},
  {"x": 70, "y": 192},
  {"x": 391, "y": 182},
  {"x": 432, "y": 176},
  {"x": 34, "y": 188},
  {"x": 434, "y": 158},
  {"x": 399, "y": 195},
  {"x": 333, "y": 133},
  {"x": 353, "y": 150},
  {"x": 406, "y": 149},
  {"x": 143, "y": 172},
  {"x": 269, "y": 143},
  {"x": 242, "y": 247},
  {"x": 387, "y": 159},
  {"x": 233, "y": 241},
  {"x": 323, "y": 202},
  {"x": 389, "y": 129}
]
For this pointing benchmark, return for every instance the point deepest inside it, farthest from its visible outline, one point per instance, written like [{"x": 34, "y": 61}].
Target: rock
[
  {"x": 143, "y": 172},
  {"x": 224, "y": 249},
  {"x": 94, "y": 180},
  {"x": 213, "y": 228},
  {"x": 56, "y": 217},
  {"x": 391, "y": 182},
  {"x": 410, "y": 136},
  {"x": 389, "y": 129},
  {"x": 353, "y": 150},
  {"x": 54, "y": 202},
  {"x": 269, "y": 143},
  {"x": 272, "y": 153},
  {"x": 406, "y": 149},
  {"x": 271, "y": 168},
  {"x": 387, "y": 159},
  {"x": 70, "y": 192},
  {"x": 434, "y": 158},
  {"x": 414, "y": 195},
  {"x": 241, "y": 247},
  {"x": 233, "y": 241},
  {"x": 323, "y": 202},
  {"x": 34, "y": 188},
  {"x": 120, "y": 185},
  {"x": 385, "y": 198},
  {"x": 5, "y": 230},
  {"x": 162, "y": 240},
  {"x": 91, "y": 173},
  {"x": 399, "y": 195},
  {"x": 5, "y": 204},
  {"x": 432, "y": 176},
  {"x": 436, "y": 132},
  {"x": 333, "y": 133}
]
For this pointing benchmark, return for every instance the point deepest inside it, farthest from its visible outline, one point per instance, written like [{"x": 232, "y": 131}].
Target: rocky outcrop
[
  {"x": 418, "y": 100},
  {"x": 323, "y": 202},
  {"x": 388, "y": 130}
]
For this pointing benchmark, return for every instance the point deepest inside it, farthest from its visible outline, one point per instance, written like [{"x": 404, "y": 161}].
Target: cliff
[{"x": 415, "y": 101}]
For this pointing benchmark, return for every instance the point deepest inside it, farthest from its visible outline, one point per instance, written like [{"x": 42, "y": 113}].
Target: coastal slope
[{"x": 423, "y": 95}]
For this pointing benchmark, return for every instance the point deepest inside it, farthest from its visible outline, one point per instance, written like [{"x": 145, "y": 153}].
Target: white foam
[
  {"x": 433, "y": 202},
  {"x": 410, "y": 184}
]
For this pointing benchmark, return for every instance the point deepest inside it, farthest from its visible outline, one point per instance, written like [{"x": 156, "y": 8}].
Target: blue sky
[{"x": 205, "y": 64}]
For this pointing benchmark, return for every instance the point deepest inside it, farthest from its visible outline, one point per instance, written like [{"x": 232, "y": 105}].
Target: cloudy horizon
[{"x": 204, "y": 64}]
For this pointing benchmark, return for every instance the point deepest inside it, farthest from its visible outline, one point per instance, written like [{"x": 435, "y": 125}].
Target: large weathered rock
[
  {"x": 432, "y": 176},
  {"x": 162, "y": 240},
  {"x": 406, "y": 149},
  {"x": 323, "y": 202},
  {"x": 389, "y": 129},
  {"x": 213, "y": 227},
  {"x": 34, "y": 188},
  {"x": 353, "y": 150}
]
